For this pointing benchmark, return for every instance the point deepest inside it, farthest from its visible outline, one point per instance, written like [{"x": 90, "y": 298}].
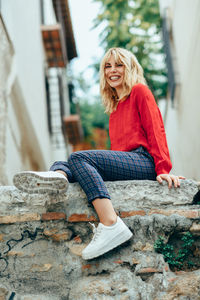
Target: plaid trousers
[{"x": 92, "y": 167}]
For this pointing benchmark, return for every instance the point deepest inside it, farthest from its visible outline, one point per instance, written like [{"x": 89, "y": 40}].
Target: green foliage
[
  {"x": 136, "y": 26},
  {"x": 92, "y": 115},
  {"x": 173, "y": 259},
  {"x": 89, "y": 107}
]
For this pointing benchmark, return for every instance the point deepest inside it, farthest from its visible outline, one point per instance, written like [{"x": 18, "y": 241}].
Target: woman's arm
[{"x": 153, "y": 126}]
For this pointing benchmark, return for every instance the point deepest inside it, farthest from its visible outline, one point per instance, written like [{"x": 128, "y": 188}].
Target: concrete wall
[{"x": 183, "y": 122}]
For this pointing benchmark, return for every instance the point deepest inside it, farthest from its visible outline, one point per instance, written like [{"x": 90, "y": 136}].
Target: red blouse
[{"x": 136, "y": 122}]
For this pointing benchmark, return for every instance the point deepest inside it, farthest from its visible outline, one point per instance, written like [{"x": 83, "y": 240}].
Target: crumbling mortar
[{"x": 129, "y": 266}]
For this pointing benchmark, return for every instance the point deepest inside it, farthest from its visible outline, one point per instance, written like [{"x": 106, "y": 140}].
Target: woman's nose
[{"x": 113, "y": 68}]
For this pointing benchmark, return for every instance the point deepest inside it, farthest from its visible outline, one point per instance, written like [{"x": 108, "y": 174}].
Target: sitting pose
[{"x": 138, "y": 150}]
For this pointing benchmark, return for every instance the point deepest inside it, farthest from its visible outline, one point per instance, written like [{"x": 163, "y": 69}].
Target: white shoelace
[{"x": 95, "y": 231}]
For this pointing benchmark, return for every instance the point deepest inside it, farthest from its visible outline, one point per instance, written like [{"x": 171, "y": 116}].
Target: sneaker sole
[
  {"x": 35, "y": 184},
  {"x": 118, "y": 240}
]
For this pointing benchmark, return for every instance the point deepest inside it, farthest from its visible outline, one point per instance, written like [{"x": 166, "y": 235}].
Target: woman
[{"x": 138, "y": 150}]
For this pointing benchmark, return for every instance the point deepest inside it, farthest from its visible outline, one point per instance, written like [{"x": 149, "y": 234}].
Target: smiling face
[
  {"x": 119, "y": 72},
  {"x": 114, "y": 74}
]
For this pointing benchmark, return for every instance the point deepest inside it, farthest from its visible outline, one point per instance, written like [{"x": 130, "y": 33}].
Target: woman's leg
[
  {"x": 105, "y": 211},
  {"x": 103, "y": 206},
  {"x": 63, "y": 168},
  {"x": 62, "y": 172},
  {"x": 92, "y": 168}
]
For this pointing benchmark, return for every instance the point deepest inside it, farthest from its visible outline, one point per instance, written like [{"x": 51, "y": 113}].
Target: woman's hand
[{"x": 171, "y": 179}]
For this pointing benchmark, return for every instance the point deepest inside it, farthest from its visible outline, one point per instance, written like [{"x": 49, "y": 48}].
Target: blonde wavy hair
[{"x": 133, "y": 74}]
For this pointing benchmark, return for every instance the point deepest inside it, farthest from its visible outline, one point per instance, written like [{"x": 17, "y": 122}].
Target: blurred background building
[
  {"x": 181, "y": 27},
  {"x": 36, "y": 46}
]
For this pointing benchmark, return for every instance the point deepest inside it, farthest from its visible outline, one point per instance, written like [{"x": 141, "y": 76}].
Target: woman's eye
[{"x": 116, "y": 66}]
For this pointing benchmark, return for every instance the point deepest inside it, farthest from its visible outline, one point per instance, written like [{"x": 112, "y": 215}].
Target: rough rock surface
[{"x": 42, "y": 237}]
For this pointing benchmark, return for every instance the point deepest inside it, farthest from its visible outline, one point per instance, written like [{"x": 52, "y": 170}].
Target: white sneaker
[
  {"x": 41, "y": 182},
  {"x": 106, "y": 238}
]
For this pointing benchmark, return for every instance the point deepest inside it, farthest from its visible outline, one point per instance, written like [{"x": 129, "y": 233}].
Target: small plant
[{"x": 167, "y": 250}]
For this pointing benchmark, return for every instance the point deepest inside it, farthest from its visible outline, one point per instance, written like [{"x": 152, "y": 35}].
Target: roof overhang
[{"x": 62, "y": 12}]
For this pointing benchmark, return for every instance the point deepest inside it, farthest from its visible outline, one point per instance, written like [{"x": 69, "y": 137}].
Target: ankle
[
  {"x": 109, "y": 221},
  {"x": 61, "y": 172}
]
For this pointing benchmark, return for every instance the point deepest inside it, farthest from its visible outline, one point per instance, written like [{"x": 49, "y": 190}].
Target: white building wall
[
  {"x": 183, "y": 121},
  {"x": 22, "y": 19},
  {"x": 6, "y": 54},
  {"x": 27, "y": 140}
]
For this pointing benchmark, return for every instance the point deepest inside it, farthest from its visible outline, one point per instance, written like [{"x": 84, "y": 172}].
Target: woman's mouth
[{"x": 114, "y": 77}]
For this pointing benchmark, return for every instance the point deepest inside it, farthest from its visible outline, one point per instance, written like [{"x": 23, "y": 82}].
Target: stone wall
[{"x": 41, "y": 239}]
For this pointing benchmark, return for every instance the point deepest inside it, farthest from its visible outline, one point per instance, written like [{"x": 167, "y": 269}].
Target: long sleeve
[
  {"x": 152, "y": 123},
  {"x": 136, "y": 122}
]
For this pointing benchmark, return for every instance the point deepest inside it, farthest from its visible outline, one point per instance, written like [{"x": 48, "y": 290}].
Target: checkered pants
[{"x": 91, "y": 168}]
